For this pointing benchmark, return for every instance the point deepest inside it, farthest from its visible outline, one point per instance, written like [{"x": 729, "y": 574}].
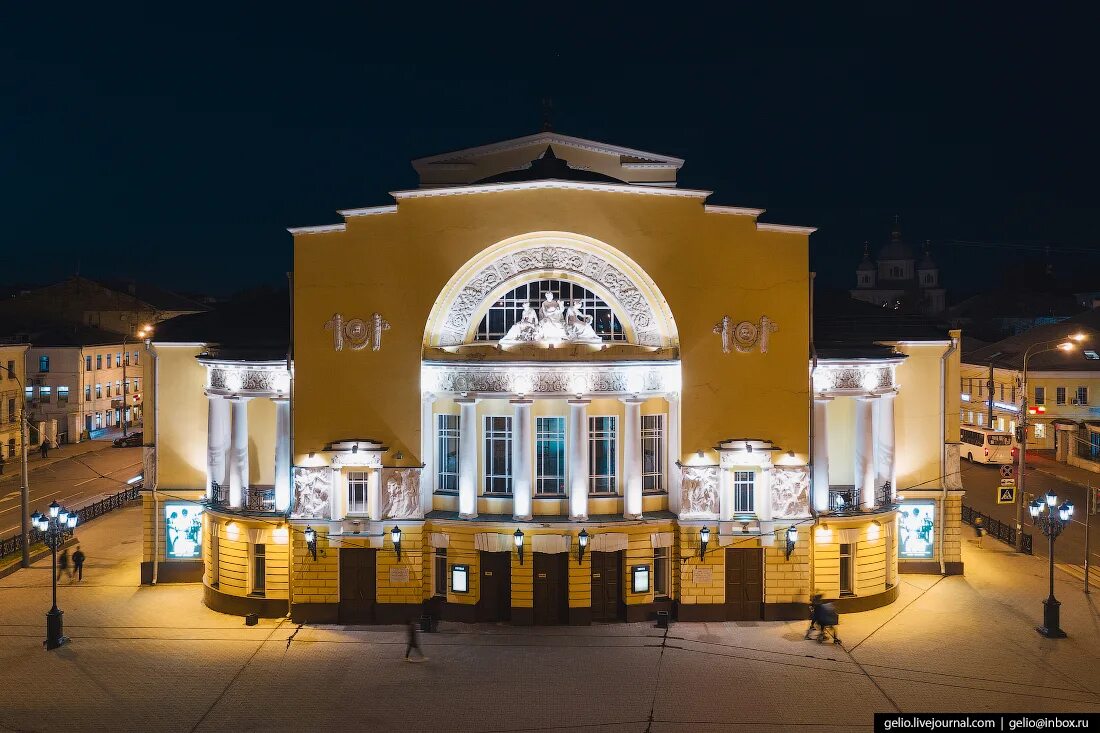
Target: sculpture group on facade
[{"x": 555, "y": 321}]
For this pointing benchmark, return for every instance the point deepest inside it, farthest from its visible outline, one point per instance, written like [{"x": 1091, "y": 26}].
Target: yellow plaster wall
[
  {"x": 392, "y": 589},
  {"x": 181, "y": 418},
  {"x": 917, "y": 415},
  {"x": 787, "y": 581},
  {"x": 315, "y": 581},
  {"x": 840, "y": 422},
  {"x": 694, "y": 591}
]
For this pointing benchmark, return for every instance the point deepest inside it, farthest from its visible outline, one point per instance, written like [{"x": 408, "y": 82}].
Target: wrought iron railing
[
  {"x": 219, "y": 495},
  {"x": 846, "y": 500},
  {"x": 256, "y": 498},
  {"x": 261, "y": 500},
  {"x": 14, "y": 544},
  {"x": 996, "y": 528}
]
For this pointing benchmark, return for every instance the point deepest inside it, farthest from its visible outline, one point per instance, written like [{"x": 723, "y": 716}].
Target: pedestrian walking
[
  {"x": 63, "y": 565},
  {"x": 827, "y": 619},
  {"x": 414, "y": 643},
  {"x": 44, "y": 449},
  {"x": 815, "y": 602},
  {"x": 979, "y": 529},
  {"x": 78, "y": 563},
  {"x": 1, "y": 465}
]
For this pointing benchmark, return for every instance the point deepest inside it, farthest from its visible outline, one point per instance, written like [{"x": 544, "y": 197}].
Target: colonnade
[
  {"x": 874, "y": 456},
  {"x": 227, "y": 454}
]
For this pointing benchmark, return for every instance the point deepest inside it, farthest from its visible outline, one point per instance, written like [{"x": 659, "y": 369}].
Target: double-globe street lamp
[
  {"x": 56, "y": 527},
  {"x": 1051, "y": 521},
  {"x": 1062, "y": 344}
]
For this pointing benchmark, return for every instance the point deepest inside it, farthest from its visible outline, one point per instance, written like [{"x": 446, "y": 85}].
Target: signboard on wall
[
  {"x": 916, "y": 530},
  {"x": 399, "y": 575},
  {"x": 182, "y": 530}
]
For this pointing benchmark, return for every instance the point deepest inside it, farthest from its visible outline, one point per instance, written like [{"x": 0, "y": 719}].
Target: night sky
[{"x": 175, "y": 144}]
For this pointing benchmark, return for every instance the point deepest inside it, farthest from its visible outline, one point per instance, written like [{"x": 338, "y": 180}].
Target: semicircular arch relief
[{"x": 623, "y": 284}]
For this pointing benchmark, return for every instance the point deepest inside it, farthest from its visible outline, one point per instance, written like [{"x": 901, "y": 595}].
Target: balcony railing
[
  {"x": 256, "y": 498},
  {"x": 844, "y": 500}
]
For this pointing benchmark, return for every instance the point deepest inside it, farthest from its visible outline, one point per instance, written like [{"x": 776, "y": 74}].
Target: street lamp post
[
  {"x": 1065, "y": 344},
  {"x": 24, "y": 480},
  {"x": 55, "y": 527}
]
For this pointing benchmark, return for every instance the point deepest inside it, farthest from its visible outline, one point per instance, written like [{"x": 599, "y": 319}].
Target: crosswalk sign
[
  {"x": 1006, "y": 494},
  {"x": 1006, "y": 470}
]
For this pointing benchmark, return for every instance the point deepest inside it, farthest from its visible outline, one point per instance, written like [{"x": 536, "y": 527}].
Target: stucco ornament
[
  {"x": 746, "y": 335},
  {"x": 699, "y": 491},
  {"x": 401, "y": 499},
  {"x": 790, "y": 492},
  {"x": 555, "y": 321},
  {"x": 312, "y": 488},
  {"x": 356, "y": 333}
]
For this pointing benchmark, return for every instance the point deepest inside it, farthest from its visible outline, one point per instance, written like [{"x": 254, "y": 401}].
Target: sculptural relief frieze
[
  {"x": 550, "y": 379},
  {"x": 312, "y": 490},
  {"x": 401, "y": 493},
  {"x": 790, "y": 492},
  {"x": 699, "y": 492}
]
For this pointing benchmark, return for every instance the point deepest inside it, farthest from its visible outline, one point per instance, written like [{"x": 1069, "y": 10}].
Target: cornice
[
  {"x": 732, "y": 210},
  {"x": 320, "y": 229},
  {"x": 552, "y": 183},
  {"x": 785, "y": 228},
  {"x": 369, "y": 211}
]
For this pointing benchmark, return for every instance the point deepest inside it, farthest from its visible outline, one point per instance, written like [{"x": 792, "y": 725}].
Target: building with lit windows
[
  {"x": 12, "y": 374},
  {"x": 548, "y": 386}
]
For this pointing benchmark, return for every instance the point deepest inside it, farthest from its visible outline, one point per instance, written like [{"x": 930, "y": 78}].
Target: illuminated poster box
[
  {"x": 460, "y": 578},
  {"x": 182, "y": 530},
  {"x": 916, "y": 530}
]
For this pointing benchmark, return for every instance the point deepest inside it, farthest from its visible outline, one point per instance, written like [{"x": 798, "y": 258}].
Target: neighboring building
[
  {"x": 1008, "y": 312},
  {"x": 571, "y": 392},
  {"x": 12, "y": 374},
  {"x": 120, "y": 307},
  {"x": 1063, "y": 388},
  {"x": 897, "y": 280},
  {"x": 82, "y": 381}
]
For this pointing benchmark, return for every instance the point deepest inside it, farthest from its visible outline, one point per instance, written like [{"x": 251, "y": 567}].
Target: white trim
[
  {"x": 616, "y": 440},
  {"x": 319, "y": 229},
  {"x": 734, "y": 210},
  {"x": 539, "y": 138},
  {"x": 166, "y": 344},
  {"x": 786, "y": 228},
  {"x": 650, "y": 166},
  {"x": 368, "y": 210},
  {"x": 551, "y": 183}
]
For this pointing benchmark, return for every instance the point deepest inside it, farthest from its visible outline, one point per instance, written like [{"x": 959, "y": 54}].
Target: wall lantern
[
  {"x": 792, "y": 537},
  {"x": 704, "y": 540},
  {"x": 518, "y": 537},
  {"x": 355, "y": 448},
  {"x": 311, "y": 541},
  {"x": 395, "y": 537},
  {"x": 582, "y": 542}
]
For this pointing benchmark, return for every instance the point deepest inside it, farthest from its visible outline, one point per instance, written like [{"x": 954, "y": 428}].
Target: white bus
[{"x": 985, "y": 445}]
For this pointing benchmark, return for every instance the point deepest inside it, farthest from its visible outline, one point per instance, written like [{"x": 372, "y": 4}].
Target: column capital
[
  {"x": 579, "y": 402},
  {"x": 520, "y": 401},
  {"x": 867, "y": 397},
  {"x": 466, "y": 400},
  {"x": 633, "y": 400}
]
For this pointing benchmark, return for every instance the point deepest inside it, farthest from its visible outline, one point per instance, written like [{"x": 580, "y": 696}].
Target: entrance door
[
  {"x": 357, "y": 591},
  {"x": 551, "y": 588},
  {"x": 495, "y": 603},
  {"x": 607, "y": 586},
  {"x": 744, "y": 584}
]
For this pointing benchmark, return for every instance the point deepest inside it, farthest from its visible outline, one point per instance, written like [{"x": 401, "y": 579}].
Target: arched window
[{"x": 507, "y": 310}]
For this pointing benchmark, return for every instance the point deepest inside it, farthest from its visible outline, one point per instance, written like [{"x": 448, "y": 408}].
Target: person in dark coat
[
  {"x": 827, "y": 619},
  {"x": 45, "y": 448},
  {"x": 63, "y": 564},
  {"x": 414, "y": 642},
  {"x": 78, "y": 563},
  {"x": 815, "y": 602}
]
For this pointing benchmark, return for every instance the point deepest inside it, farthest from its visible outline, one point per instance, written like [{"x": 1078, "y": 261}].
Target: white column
[
  {"x": 238, "y": 453},
  {"x": 821, "y": 454},
  {"x": 523, "y": 450},
  {"x": 725, "y": 492},
  {"x": 374, "y": 494},
  {"x": 885, "y": 465},
  {"x": 217, "y": 442},
  {"x": 282, "y": 454},
  {"x": 632, "y": 459},
  {"x": 762, "y": 493},
  {"x": 578, "y": 459},
  {"x": 467, "y": 457},
  {"x": 865, "y": 451},
  {"x": 672, "y": 471},
  {"x": 427, "y": 451}
]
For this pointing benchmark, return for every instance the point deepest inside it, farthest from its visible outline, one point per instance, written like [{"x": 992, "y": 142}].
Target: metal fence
[
  {"x": 996, "y": 528},
  {"x": 14, "y": 544}
]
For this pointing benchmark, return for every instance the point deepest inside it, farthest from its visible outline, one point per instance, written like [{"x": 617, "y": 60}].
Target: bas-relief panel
[
  {"x": 401, "y": 493},
  {"x": 699, "y": 492},
  {"x": 312, "y": 490},
  {"x": 790, "y": 492}
]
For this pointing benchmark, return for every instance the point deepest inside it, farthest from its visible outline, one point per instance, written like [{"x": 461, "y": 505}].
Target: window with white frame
[
  {"x": 602, "y": 433},
  {"x": 660, "y": 571},
  {"x": 439, "y": 572},
  {"x": 550, "y": 456},
  {"x": 446, "y": 455},
  {"x": 1059, "y": 395},
  {"x": 259, "y": 569},
  {"x": 62, "y": 395},
  {"x": 847, "y": 569},
  {"x": 653, "y": 453},
  {"x": 498, "y": 455},
  {"x": 357, "y": 492},
  {"x": 1082, "y": 395},
  {"x": 744, "y": 488},
  {"x": 507, "y": 310}
]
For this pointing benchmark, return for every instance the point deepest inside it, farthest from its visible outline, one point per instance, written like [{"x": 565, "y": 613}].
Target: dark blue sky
[{"x": 177, "y": 143}]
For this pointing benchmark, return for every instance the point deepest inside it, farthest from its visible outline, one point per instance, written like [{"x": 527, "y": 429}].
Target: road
[
  {"x": 981, "y": 482},
  {"x": 71, "y": 482}
]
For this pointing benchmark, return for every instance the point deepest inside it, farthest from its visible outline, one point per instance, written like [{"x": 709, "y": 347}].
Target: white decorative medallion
[
  {"x": 356, "y": 333},
  {"x": 746, "y": 335}
]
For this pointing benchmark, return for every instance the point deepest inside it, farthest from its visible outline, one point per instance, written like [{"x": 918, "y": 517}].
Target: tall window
[
  {"x": 11, "y": 369},
  {"x": 508, "y": 309},
  {"x": 550, "y": 455},
  {"x": 439, "y": 572},
  {"x": 108, "y": 389},
  {"x": 1040, "y": 395},
  {"x": 259, "y": 569},
  {"x": 744, "y": 487},
  {"x": 1082, "y": 395},
  {"x": 87, "y": 363},
  {"x": 126, "y": 358},
  {"x": 847, "y": 563},
  {"x": 87, "y": 391},
  {"x": 660, "y": 571},
  {"x": 357, "y": 492},
  {"x": 99, "y": 361},
  {"x": 135, "y": 357},
  {"x": 601, "y": 454},
  {"x": 653, "y": 453},
  {"x": 62, "y": 395},
  {"x": 43, "y": 363},
  {"x": 44, "y": 393},
  {"x": 1060, "y": 395},
  {"x": 447, "y": 434},
  {"x": 498, "y": 455},
  {"x": 11, "y": 447},
  {"x": 118, "y": 359}
]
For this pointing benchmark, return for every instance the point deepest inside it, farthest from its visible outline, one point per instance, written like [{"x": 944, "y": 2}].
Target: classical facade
[
  {"x": 548, "y": 386},
  {"x": 13, "y": 374}
]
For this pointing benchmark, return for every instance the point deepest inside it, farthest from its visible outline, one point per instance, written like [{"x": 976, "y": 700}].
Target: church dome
[{"x": 896, "y": 249}]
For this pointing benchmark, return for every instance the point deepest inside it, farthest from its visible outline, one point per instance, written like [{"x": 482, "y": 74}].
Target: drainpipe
[
  {"x": 290, "y": 437},
  {"x": 943, "y": 447},
  {"x": 813, "y": 369},
  {"x": 156, "y": 477}
]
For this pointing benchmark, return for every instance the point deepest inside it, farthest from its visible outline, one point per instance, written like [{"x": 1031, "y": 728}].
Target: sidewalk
[{"x": 1044, "y": 463}]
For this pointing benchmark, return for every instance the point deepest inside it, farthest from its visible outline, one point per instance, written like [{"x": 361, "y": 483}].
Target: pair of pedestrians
[{"x": 77, "y": 570}]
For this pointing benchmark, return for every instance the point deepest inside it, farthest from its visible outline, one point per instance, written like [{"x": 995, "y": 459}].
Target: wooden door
[
  {"x": 495, "y": 603},
  {"x": 357, "y": 585},
  {"x": 607, "y": 586},
  {"x": 744, "y": 584},
  {"x": 551, "y": 583}
]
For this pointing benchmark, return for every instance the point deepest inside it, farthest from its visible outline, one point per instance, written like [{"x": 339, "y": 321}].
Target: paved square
[{"x": 155, "y": 659}]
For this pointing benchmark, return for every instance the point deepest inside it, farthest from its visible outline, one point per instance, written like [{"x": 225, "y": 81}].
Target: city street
[
  {"x": 81, "y": 473},
  {"x": 155, "y": 659}
]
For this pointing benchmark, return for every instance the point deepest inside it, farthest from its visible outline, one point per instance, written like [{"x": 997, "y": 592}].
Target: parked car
[{"x": 130, "y": 441}]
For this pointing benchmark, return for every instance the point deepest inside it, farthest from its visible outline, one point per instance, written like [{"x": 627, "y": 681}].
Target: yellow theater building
[{"x": 549, "y": 386}]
